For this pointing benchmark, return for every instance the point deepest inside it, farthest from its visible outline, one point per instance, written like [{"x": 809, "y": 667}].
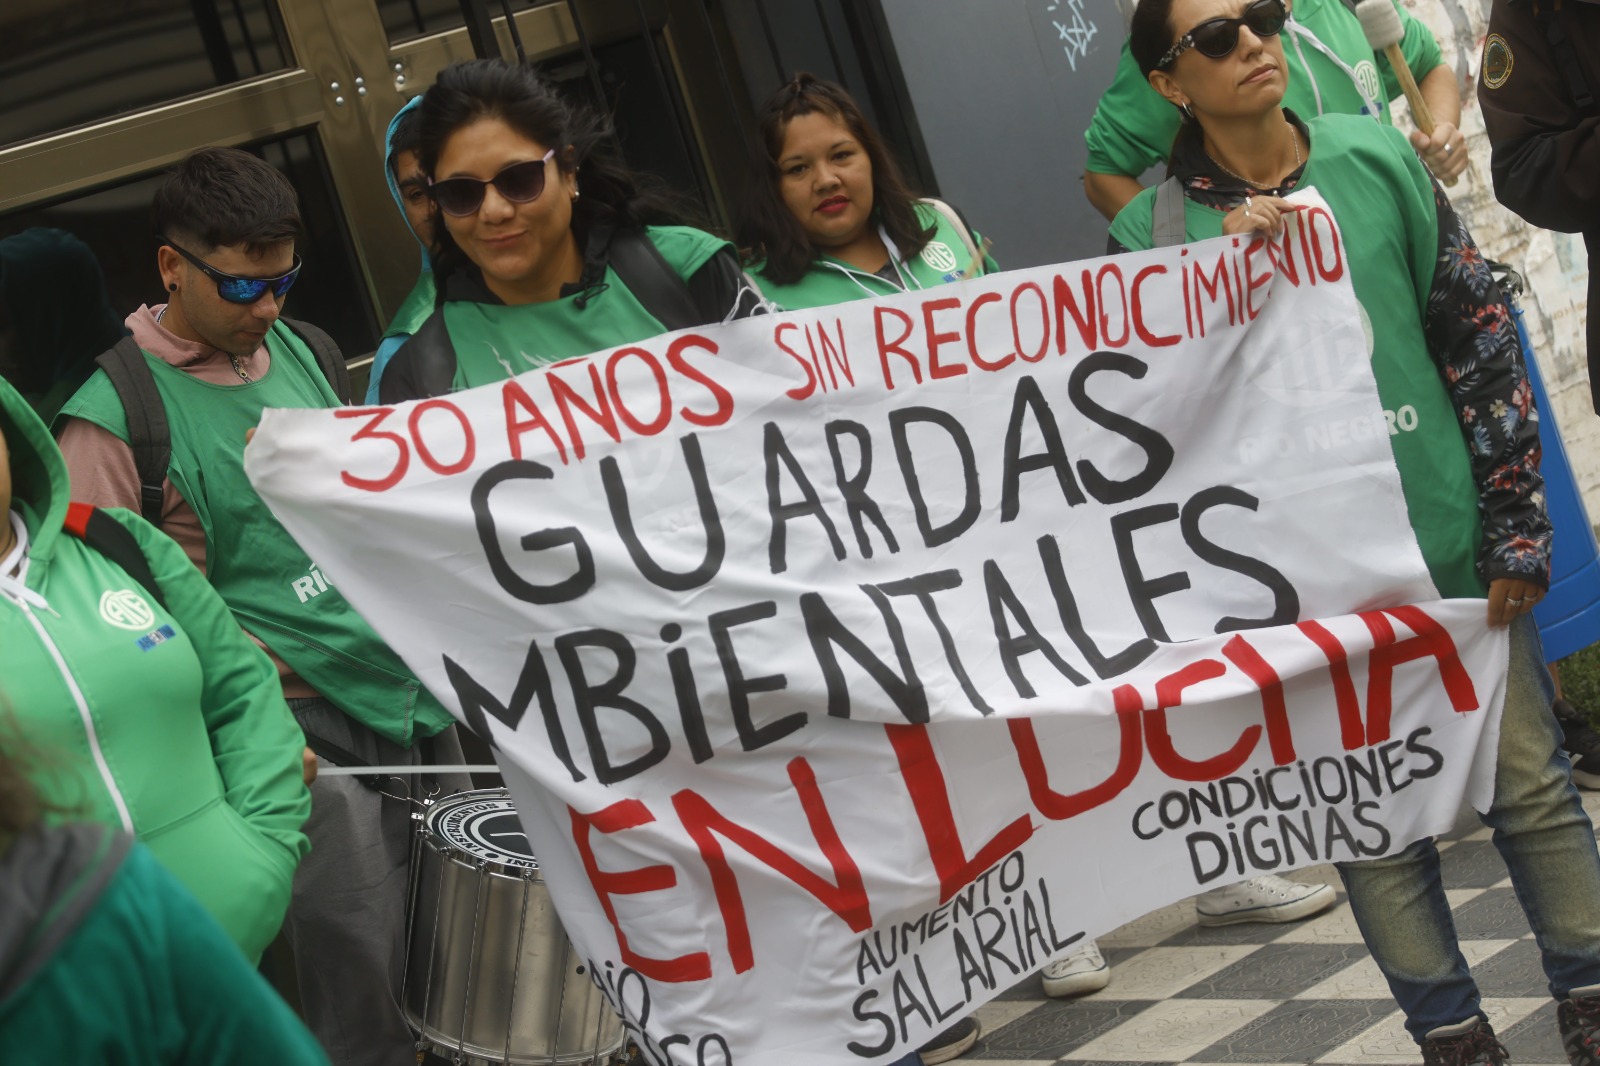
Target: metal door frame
[{"x": 348, "y": 82}]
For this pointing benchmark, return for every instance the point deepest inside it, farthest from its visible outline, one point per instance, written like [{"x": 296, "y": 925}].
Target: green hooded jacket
[
  {"x": 424, "y": 295},
  {"x": 165, "y": 721}
]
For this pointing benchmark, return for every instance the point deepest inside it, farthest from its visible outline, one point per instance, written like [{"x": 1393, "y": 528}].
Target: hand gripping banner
[{"x": 848, "y": 665}]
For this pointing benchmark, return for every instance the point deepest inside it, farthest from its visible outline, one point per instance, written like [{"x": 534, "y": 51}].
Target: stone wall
[{"x": 1554, "y": 263}]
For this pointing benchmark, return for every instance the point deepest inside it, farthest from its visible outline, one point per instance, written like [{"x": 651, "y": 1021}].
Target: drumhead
[{"x": 483, "y": 825}]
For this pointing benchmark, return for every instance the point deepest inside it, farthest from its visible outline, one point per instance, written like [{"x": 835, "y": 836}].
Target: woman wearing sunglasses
[
  {"x": 548, "y": 247},
  {"x": 1332, "y": 70},
  {"x": 1442, "y": 346}
]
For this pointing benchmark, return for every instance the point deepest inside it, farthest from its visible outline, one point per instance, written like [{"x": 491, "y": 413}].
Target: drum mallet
[
  {"x": 329, "y": 770},
  {"x": 1380, "y": 21}
]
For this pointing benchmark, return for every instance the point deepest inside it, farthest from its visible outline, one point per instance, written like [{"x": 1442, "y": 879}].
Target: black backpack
[{"x": 148, "y": 433}]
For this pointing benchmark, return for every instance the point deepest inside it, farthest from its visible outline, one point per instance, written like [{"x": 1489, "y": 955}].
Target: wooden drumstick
[
  {"x": 407, "y": 770},
  {"x": 1380, "y": 21}
]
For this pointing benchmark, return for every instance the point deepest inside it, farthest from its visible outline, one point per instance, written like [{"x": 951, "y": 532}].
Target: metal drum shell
[{"x": 490, "y": 973}]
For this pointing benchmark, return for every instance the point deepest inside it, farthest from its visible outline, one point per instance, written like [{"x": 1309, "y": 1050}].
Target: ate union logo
[
  {"x": 126, "y": 609},
  {"x": 938, "y": 255}
]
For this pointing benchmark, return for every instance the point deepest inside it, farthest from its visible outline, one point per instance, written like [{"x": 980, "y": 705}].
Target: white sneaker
[
  {"x": 1263, "y": 899},
  {"x": 1078, "y": 974}
]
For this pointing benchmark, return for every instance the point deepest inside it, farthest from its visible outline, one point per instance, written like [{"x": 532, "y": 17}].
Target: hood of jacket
[
  {"x": 388, "y": 174},
  {"x": 50, "y": 879},
  {"x": 39, "y": 486}
]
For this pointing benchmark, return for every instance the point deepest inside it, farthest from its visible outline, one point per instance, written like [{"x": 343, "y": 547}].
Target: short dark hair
[
  {"x": 224, "y": 196},
  {"x": 769, "y": 229},
  {"x": 583, "y": 139},
  {"x": 405, "y": 136},
  {"x": 1150, "y": 33}
]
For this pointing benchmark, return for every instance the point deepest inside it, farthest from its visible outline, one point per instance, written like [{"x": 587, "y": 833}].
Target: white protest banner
[{"x": 848, "y": 665}]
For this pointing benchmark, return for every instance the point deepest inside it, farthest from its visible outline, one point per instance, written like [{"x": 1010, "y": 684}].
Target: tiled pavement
[{"x": 1284, "y": 994}]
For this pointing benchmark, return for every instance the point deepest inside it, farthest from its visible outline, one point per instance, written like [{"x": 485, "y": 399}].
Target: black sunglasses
[
  {"x": 1216, "y": 38},
  {"x": 520, "y": 183},
  {"x": 237, "y": 290}
]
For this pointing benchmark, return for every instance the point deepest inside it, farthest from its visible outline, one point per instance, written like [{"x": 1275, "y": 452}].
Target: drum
[{"x": 490, "y": 976}]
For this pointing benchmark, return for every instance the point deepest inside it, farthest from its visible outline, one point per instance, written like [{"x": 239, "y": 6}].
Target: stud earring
[{"x": 172, "y": 286}]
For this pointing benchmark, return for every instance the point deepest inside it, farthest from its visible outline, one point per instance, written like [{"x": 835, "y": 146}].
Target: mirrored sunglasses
[
  {"x": 238, "y": 290},
  {"x": 1217, "y": 38},
  {"x": 519, "y": 183}
]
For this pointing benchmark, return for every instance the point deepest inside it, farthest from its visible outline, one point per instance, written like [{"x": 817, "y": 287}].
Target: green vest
[
  {"x": 494, "y": 342},
  {"x": 1383, "y": 200},
  {"x": 829, "y": 281},
  {"x": 271, "y": 585},
  {"x": 1133, "y": 126}
]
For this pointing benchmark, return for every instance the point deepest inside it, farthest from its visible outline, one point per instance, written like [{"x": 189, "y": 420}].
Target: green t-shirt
[
  {"x": 1133, "y": 126},
  {"x": 829, "y": 281},
  {"x": 1383, "y": 199},
  {"x": 494, "y": 342}
]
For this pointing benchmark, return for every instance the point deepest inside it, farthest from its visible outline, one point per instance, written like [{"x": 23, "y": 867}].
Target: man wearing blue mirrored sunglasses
[
  {"x": 229, "y": 299},
  {"x": 216, "y": 354}
]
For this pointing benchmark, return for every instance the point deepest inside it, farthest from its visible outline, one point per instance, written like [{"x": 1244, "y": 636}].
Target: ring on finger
[{"x": 1515, "y": 602}]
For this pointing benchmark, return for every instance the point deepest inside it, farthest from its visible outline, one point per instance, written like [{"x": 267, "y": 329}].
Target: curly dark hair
[
  {"x": 584, "y": 139},
  {"x": 770, "y": 230}
]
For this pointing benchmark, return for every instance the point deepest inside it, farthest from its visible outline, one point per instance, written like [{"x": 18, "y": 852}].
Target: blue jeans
[{"x": 1548, "y": 845}]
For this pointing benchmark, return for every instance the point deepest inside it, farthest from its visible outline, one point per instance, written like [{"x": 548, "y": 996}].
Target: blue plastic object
[{"x": 1569, "y": 615}]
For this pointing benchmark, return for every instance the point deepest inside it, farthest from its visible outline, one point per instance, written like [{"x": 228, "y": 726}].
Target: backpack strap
[
  {"x": 647, "y": 274},
  {"x": 113, "y": 540},
  {"x": 148, "y": 434},
  {"x": 426, "y": 364},
  {"x": 1169, "y": 226},
  {"x": 958, "y": 222},
  {"x": 423, "y": 366},
  {"x": 329, "y": 358}
]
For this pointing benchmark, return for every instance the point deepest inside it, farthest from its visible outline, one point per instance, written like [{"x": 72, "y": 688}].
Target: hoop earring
[{"x": 1188, "y": 112}]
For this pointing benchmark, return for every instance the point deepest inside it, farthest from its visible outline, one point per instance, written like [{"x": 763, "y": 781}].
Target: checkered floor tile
[{"x": 1279, "y": 995}]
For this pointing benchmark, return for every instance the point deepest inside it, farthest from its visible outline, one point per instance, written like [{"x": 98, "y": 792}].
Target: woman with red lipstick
[
  {"x": 1441, "y": 345},
  {"x": 549, "y": 246},
  {"x": 832, "y": 216}
]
